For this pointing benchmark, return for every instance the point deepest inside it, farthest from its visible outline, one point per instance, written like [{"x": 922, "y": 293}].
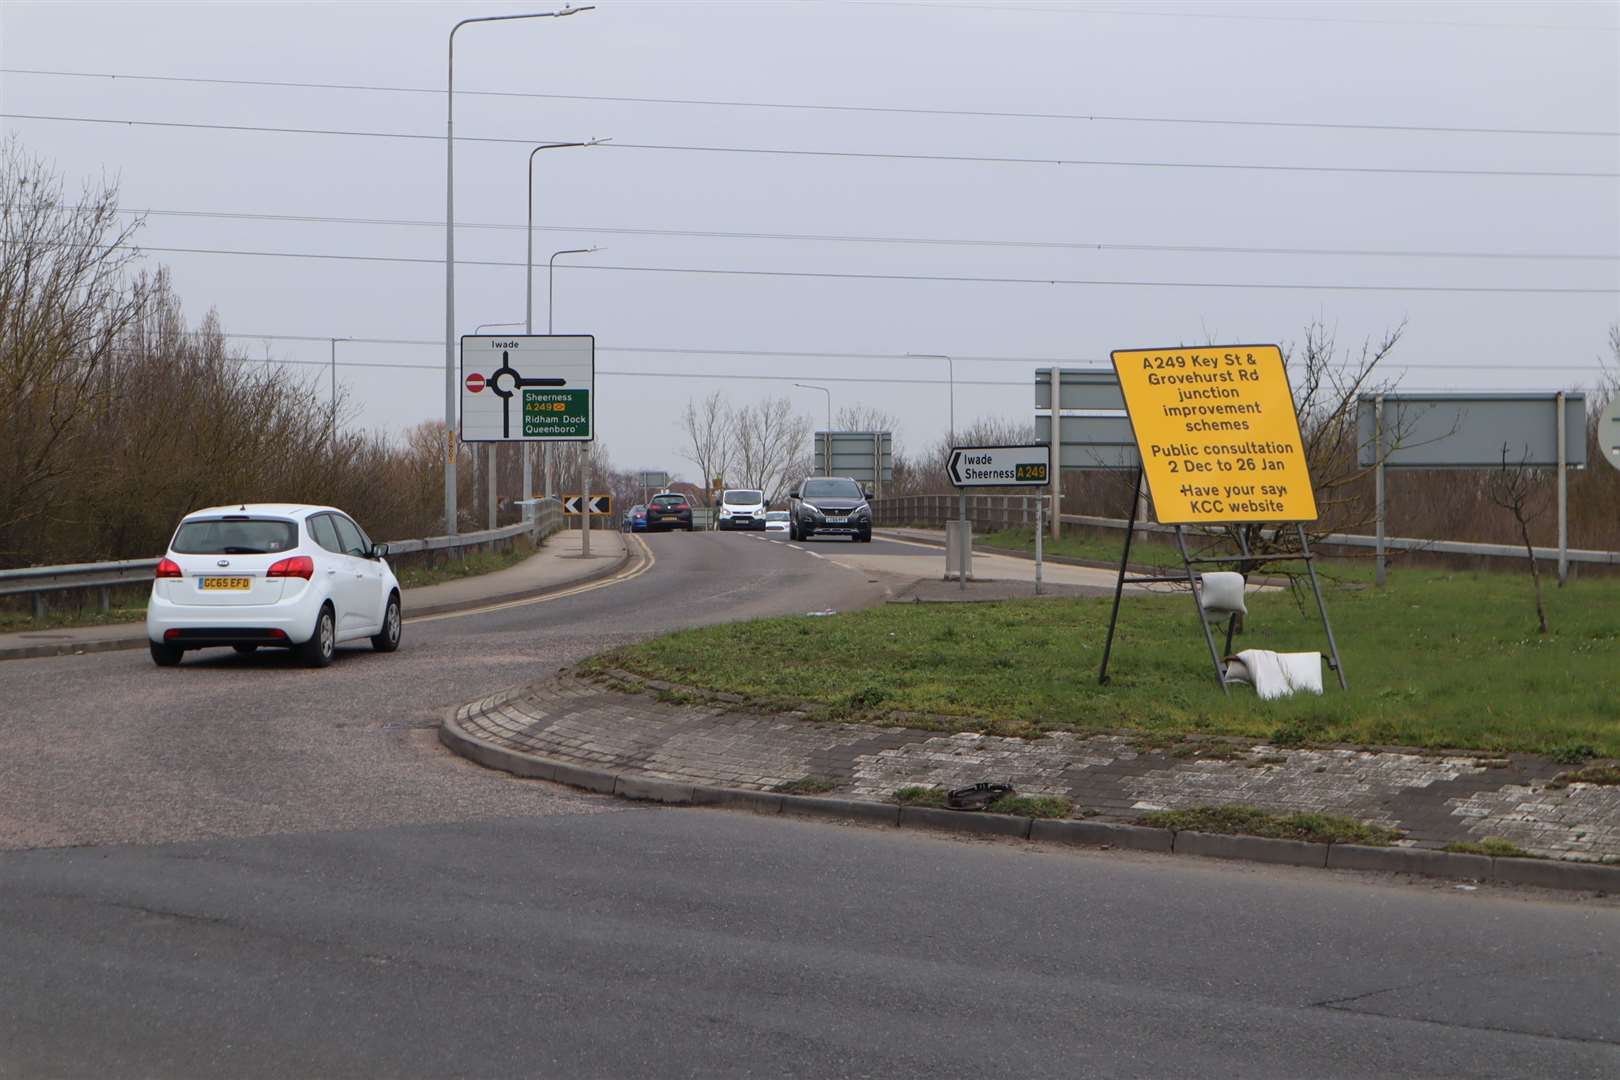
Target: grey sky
[{"x": 1394, "y": 64}]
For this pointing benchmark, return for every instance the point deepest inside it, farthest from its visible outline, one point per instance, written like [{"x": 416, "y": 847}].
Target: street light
[
  {"x": 331, "y": 435},
  {"x": 950, "y": 368},
  {"x": 585, "y": 454},
  {"x": 528, "y": 321},
  {"x": 450, "y": 245},
  {"x": 551, "y": 275},
  {"x": 827, "y": 457}
]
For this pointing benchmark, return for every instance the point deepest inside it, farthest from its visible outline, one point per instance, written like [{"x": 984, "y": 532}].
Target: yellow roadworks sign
[{"x": 1217, "y": 433}]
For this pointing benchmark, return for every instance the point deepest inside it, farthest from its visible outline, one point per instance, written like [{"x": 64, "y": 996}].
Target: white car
[
  {"x": 270, "y": 574},
  {"x": 742, "y": 508},
  {"x": 777, "y": 521}
]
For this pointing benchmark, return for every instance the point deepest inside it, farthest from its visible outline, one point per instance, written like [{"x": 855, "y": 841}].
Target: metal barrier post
[{"x": 1039, "y": 534}]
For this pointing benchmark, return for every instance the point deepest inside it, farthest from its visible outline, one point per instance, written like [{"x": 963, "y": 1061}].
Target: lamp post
[
  {"x": 585, "y": 454},
  {"x": 827, "y": 456},
  {"x": 528, "y": 322},
  {"x": 450, "y": 246},
  {"x": 950, "y": 371},
  {"x": 331, "y": 433}
]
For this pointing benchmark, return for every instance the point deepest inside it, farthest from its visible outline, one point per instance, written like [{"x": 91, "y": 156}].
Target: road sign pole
[
  {"x": 1563, "y": 496},
  {"x": 492, "y": 486},
  {"x": 1378, "y": 488},
  {"x": 1056, "y": 449},
  {"x": 964, "y": 545},
  {"x": 585, "y": 494},
  {"x": 1040, "y": 530}
]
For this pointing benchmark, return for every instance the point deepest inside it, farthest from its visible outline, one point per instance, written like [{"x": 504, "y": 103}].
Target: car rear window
[
  {"x": 234, "y": 536},
  {"x": 668, "y": 500},
  {"x": 744, "y": 498}
]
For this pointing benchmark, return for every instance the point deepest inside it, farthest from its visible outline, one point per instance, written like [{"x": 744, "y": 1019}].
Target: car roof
[{"x": 287, "y": 510}]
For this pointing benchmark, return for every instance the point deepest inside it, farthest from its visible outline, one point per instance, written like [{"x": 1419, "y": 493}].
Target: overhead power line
[
  {"x": 960, "y": 279},
  {"x": 1133, "y": 12},
  {"x": 856, "y": 155},
  {"x": 897, "y": 110},
  {"x": 1052, "y": 245},
  {"x": 1038, "y": 361}
]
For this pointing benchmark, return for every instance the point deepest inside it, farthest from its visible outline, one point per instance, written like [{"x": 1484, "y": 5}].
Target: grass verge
[
  {"x": 15, "y": 622},
  {"x": 1491, "y": 845},
  {"x": 807, "y": 785},
  {"x": 414, "y": 577},
  {"x": 1036, "y": 806},
  {"x": 1249, "y": 821},
  {"x": 1435, "y": 659}
]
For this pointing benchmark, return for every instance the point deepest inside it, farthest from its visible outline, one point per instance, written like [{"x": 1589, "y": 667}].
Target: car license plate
[
  {"x": 238, "y": 584},
  {"x": 834, "y": 520}
]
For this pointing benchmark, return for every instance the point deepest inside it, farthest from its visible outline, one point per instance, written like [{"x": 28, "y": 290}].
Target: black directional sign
[
  {"x": 600, "y": 504},
  {"x": 1000, "y": 466}
]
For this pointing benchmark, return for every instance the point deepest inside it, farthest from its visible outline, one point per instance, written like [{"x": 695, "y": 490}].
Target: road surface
[{"x": 240, "y": 867}]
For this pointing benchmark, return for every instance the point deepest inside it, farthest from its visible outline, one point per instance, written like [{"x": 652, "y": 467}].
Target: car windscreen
[
  {"x": 778, "y": 515},
  {"x": 831, "y": 489},
  {"x": 668, "y": 500},
  {"x": 743, "y": 498},
  {"x": 235, "y": 536}
]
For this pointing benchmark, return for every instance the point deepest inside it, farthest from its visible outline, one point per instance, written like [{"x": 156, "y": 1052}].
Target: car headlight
[
  {"x": 861, "y": 511},
  {"x": 810, "y": 511},
  {"x": 725, "y": 511}
]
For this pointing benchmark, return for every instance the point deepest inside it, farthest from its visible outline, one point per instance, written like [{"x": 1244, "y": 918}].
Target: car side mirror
[
  {"x": 866, "y": 493},
  {"x": 379, "y": 551}
]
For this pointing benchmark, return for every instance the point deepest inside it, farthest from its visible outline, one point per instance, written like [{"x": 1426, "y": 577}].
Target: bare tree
[
  {"x": 866, "y": 418},
  {"x": 770, "y": 442},
  {"x": 1518, "y": 489},
  {"x": 709, "y": 430},
  {"x": 65, "y": 298}
]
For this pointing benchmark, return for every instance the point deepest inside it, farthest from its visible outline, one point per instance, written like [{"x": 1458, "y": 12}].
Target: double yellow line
[{"x": 641, "y": 566}]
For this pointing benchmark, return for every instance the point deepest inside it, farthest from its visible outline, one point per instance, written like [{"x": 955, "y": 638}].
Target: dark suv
[
  {"x": 669, "y": 511},
  {"x": 834, "y": 505}
]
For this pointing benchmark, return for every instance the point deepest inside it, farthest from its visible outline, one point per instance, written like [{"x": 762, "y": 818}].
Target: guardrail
[
  {"x": 37, "y": 581},
  {"x": 991, "y": 512}
]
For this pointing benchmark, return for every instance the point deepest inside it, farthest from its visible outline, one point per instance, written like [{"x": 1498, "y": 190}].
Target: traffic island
[{"x": 1320, "y": 806}]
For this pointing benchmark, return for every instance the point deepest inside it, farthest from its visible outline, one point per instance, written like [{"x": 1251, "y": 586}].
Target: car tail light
[
  {"x": 682, "y": 506},
  {"x": 297, "y": 566},
  {"x": 168, "y": 568}
]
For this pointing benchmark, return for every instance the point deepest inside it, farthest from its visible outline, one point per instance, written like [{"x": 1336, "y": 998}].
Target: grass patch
[
  {"x": 1036, "y": 806},
  {"x": 807, "y": 785},
  {"x": 12, "y": 622},
  {"x": 1436, "y": 659},
  {"x": 1249, "y": 821},
  {"x": 1608, "y": 775},
  {"x": 1073, "y": 545},
  {"x": 414, "y": 577},
  {"x": 1491, "y": 845}
]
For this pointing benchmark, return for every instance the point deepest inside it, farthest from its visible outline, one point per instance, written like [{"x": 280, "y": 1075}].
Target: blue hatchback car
[{"x": 635, "y": 519}]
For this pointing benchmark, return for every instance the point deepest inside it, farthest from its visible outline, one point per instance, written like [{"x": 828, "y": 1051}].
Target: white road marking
[{"x": 648, "y": 559}]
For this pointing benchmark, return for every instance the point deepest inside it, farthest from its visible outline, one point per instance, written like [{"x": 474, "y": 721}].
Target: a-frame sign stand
[
  {"x": 1218, "y": 442},
  {"x": 1189, "y": 577}
]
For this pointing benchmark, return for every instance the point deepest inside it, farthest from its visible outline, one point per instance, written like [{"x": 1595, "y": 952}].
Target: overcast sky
[{"x": 1319, "y": 89}]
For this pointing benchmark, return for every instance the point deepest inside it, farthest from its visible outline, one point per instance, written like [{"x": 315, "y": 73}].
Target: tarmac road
[{"x": 243, "y": 868}]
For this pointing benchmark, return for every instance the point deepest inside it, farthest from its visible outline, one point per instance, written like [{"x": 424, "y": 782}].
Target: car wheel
[
  {"x": 322, "y": 644},
  {"x": 166, "y": 655},
  {"x": 863, "y": 538},
  {"x": 387, "y": 639},
  {"x": 688, "y": 526},
  {"x": 793, "y": 532},
  {"x": 245, "y": 650}
]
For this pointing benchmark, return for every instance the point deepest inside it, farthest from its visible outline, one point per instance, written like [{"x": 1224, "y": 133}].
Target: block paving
[{"x": 1434, "y": 798}]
